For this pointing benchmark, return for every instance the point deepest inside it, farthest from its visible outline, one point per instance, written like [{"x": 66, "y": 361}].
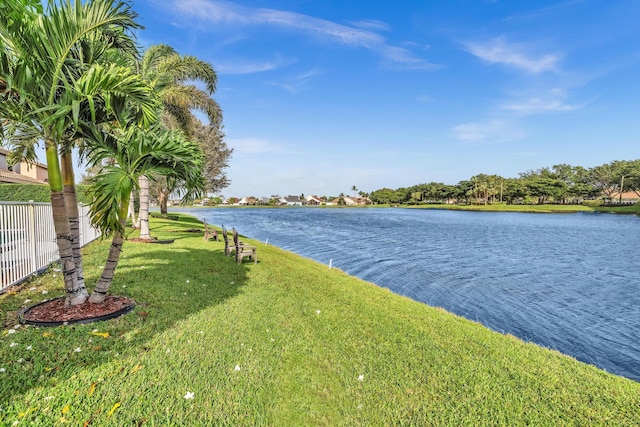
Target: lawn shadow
[{"x": 168, "y": 282}]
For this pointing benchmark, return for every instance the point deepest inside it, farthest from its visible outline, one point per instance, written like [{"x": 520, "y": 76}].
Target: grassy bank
[
  {"x": 286, "y": 342},
  {"x": 503, "y": 207}
]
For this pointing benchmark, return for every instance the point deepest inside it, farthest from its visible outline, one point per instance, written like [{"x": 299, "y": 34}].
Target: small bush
[{"x": 163, "y": 216}]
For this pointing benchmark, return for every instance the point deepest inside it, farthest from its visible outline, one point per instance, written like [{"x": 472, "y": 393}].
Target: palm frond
[
  {"x": 188, "y": 68},
  {"x": 187, "y": 97}
]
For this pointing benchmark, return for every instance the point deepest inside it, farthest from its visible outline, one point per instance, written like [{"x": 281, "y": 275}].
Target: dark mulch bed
[
  {"x": 55, "y": 312},
  {"x": 139, "y": 240}
]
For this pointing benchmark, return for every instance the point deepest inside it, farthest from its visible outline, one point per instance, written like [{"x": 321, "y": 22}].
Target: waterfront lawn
[
  {"x": 548, "y": 208},
  {"x": 286, "y": 342}
]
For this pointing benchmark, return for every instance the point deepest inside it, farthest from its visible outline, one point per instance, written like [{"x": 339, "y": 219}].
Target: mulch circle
[
  {"x": 54, "y": 312},
  {"x": 187, "y": 230}
]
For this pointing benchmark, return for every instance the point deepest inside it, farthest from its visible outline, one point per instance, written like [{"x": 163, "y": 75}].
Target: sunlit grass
[{"x": 286, "y": 342}]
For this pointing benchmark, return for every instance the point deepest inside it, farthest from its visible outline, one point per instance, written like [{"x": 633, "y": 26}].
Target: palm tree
[
  {"x": 216, "y": 154},
  {"x": 136, "y": 152},
  {"x": 53, "y": 86},
  {"x": 169, "y": 74}
]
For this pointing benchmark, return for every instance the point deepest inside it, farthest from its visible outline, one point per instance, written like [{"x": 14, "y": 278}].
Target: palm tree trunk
[
  {"x": 143, "y": 216},
  {"x": 132, "y": 212},
  {"x": 71, "y": 204},
  {"x": 100, "y": 292},
  {"x": 163, "y": 197},
  {"x": 62, "y": 227}
]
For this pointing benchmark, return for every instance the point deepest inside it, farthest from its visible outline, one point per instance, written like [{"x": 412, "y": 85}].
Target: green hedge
[{"x": 35, "y": 192}]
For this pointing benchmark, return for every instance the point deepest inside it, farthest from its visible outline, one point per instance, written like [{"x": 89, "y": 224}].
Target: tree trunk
[
  {"x": 143, "y": 216},
  {"x": 71, "y": 205},
  {"x": 132, "y": 212},
  {"x": 163, "y": 198},
  {"x": 62, "y": 227},
  {"x": 100, "y": 292}
]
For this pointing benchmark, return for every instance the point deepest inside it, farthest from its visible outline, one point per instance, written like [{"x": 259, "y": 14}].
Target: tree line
[{"x": 562, "y": 184}]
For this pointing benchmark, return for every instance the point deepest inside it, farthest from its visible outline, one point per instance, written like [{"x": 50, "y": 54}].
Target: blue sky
[{"x": 322, "y": 95}]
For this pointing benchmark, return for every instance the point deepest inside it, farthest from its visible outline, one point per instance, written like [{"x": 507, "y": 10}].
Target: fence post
[{"x": 32, "y": 234}]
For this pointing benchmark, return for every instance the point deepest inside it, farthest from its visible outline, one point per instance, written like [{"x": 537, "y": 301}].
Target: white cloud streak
[
  {"x": 533, "y": 106},
  {"x": 498, "y": 51},
  {"x": 551, "y": 102},
  {"x": 244, "y": 67},
  {"x": 224, "y": 12},
  {"x": 493, "y": 131}
]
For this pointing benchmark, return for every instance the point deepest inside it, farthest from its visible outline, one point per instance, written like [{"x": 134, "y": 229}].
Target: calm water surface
[{"x": 568, "y": 282}]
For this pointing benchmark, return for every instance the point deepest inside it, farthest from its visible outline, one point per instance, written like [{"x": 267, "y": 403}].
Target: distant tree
[
  {"x": 383, "y": 196},
  {"x": 216, "y": 155},
  {"x": 172, "y": 76},
  {"x": 605, "y": 178}
]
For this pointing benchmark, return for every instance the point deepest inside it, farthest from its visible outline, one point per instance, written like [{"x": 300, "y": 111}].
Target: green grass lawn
[{"x": 286, "y": 342}]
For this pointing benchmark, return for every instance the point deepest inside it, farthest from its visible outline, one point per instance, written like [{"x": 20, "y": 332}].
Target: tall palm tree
[
  {"x": 52, "y": 87},
  {"x": 136, "y": 152},
  {"x": 170, "y": 74}
]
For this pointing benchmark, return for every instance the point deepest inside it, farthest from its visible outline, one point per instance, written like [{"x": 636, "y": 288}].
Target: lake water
[{"x": 569, "y": 282}]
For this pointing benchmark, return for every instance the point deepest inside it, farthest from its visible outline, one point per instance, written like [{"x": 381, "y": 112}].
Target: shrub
[
  {"x": 36, "y": 192},
  {"x": 592, "y": 203}
]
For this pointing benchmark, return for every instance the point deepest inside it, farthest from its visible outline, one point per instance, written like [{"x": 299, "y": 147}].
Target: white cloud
[
  {"x": 285, "y": 86},
  {"x": 498, "y": 51},
  {"x": 406, "y": 58},
  {"x": 244, "y": 67},
  {"x": 295, "y": 84},
  {"x": 540, "y": 105},
  {"x": 372, "y": 24},
  {"x": 493, "y": 131},
  {"x": 553, "y": 101},
  {"x": 231, "y": 13},
  {"x": 362, "y": 35}
]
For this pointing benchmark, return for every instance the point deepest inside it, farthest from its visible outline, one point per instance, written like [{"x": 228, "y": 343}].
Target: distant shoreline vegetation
[
  {"x": 611, "y": 184},
  {"x": 615, "y": 182}
]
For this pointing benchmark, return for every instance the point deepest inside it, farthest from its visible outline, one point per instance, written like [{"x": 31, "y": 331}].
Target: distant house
[
  {"x": 352, "y": 201},
  {"x": 21, "y": 173},
  {"x": 291, "y": 201},
  {"x": 262, "y": 201},
  {"x": 628, "y": 197},
  {"x": 314, "y": 200}
]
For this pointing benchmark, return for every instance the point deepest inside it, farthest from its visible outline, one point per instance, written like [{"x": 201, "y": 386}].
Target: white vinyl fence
[{"x": 28, "y": 239}]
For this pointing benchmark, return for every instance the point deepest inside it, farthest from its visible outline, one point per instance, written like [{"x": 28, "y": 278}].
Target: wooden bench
[
  {"x": 243, "y": 250},
  {"x": 227, "y": 247},
  {"x": 210, "y": 233}
]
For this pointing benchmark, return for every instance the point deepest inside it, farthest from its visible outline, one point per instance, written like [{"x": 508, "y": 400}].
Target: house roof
[
  {"x": 292, "y": 199},
  {"x": 15, "y": 178}
]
